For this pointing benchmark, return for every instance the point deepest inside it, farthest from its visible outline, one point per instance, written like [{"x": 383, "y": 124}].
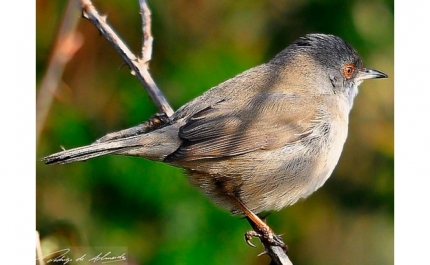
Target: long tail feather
[{"x": 89, "y": 151}]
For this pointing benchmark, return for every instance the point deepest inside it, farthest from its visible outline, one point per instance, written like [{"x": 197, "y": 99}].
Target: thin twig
[
  {"x": 147, "y": 38},
  {"x": 67, "y": 42},
  {"x": 138, "y": 66},
  {"x": 276, "y": 253}
]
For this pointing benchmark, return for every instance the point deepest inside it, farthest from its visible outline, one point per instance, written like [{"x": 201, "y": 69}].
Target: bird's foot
[{"x": 266, "y": 235}]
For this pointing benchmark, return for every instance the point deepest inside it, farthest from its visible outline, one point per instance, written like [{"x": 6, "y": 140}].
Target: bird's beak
[{"x": 370, "y": 74}]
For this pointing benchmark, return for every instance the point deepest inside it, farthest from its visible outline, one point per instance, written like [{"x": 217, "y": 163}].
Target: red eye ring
[{"x": 348, "y": 70}]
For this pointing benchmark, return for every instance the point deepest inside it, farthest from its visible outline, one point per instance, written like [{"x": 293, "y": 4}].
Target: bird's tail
[
  {"x": 88, "y": 151},
  {"x": 155, "y": 145}
]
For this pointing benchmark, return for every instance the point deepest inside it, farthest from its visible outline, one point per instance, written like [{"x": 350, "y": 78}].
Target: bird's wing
[{"x": 266, "y": 120}]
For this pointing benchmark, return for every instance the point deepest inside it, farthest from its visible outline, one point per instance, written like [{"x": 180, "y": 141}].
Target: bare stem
[
  {"x": 138, "y": 66},
  {"x": 146, "y": 29}
]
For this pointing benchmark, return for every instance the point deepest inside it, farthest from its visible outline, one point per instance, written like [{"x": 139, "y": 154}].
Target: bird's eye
[{"x": 348, "y": 70}]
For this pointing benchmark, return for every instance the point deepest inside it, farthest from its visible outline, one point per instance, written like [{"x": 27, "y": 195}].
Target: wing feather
[{"x": 265, "y": 121}]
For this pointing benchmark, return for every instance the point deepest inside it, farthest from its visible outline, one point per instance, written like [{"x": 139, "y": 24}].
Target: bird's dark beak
[{"x": 370, "y": 74}]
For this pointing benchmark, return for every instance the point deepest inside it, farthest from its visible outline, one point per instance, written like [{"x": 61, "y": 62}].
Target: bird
[{"x": 259, "y": 141}]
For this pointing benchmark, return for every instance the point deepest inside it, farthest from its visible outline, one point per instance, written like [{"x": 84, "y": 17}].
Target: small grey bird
[{"x": 261, "y": 140}]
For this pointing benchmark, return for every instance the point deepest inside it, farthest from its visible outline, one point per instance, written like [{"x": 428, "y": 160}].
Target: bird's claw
[
  {"x": 269, "y": 236},
  {"x": 250, "y": 235}
]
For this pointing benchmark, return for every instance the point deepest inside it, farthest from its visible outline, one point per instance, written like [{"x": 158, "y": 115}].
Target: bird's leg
[{"x": 261, "y": 229}]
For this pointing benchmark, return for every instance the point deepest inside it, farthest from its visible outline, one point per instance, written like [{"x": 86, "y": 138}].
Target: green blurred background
[{"x": 149, "y": 207}]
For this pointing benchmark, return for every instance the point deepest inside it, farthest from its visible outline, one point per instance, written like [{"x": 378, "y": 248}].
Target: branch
[
  {"x": 67, "y": 42},
  {"x": 138, "y": 66},
  {"x": 146, "y": 29},
  {"x": 276, "y": 253}
]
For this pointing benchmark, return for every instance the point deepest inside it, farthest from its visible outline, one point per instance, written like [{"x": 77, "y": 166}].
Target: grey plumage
[{"x": 268, "y": 136}]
